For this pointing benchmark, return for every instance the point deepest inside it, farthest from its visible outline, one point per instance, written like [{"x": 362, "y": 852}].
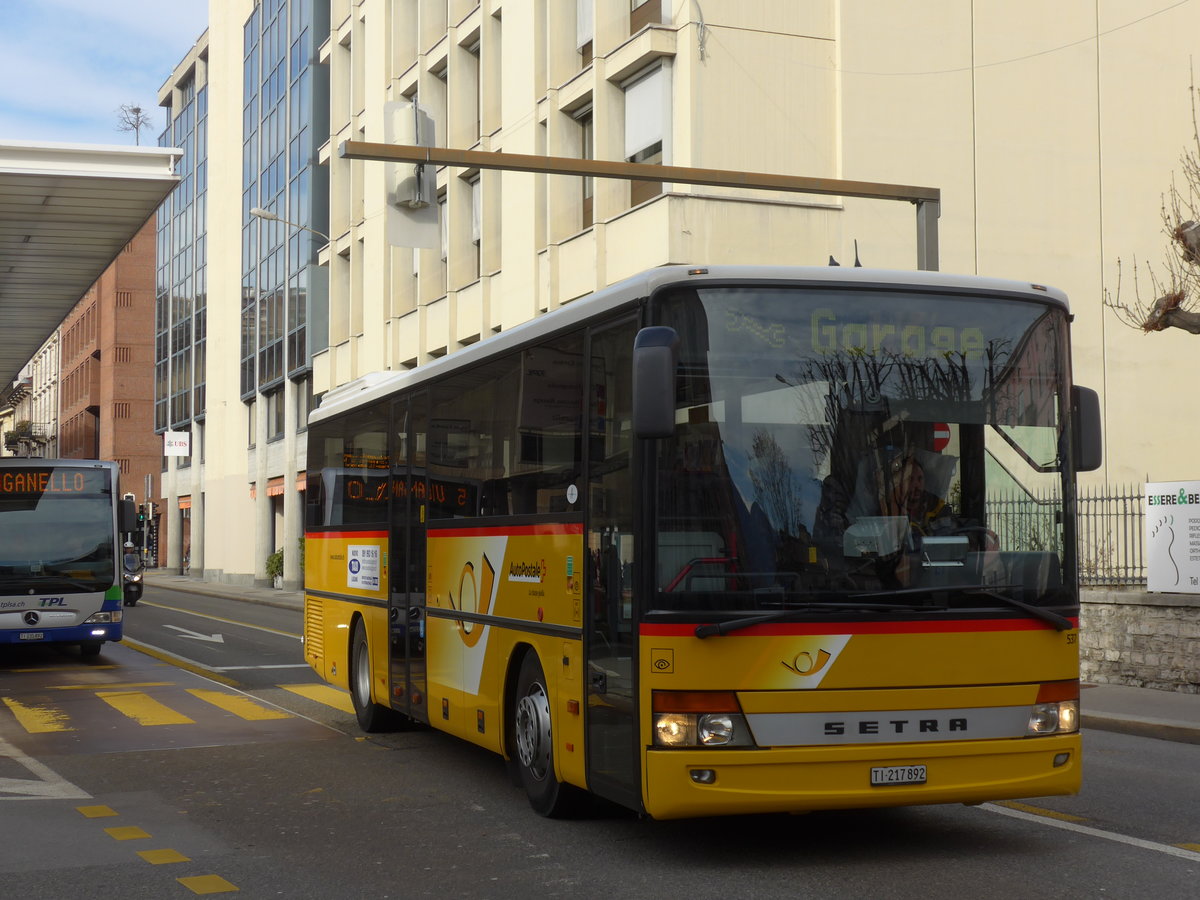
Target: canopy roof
[{"x": 66, "y": 210}]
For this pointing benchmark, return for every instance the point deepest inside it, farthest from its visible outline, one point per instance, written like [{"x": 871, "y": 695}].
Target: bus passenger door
[
  {"x": 406, "y": 568},
  {"x": 610, "y": 638}
]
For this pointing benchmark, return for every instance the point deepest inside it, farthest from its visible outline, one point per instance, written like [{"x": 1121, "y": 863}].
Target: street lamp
[{"x": 271, "y": 217}]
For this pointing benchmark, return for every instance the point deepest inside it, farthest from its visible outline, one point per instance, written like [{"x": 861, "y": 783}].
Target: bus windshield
[
  {"x": 57, "y": 530},
  {"x": 849, "y": 448}
]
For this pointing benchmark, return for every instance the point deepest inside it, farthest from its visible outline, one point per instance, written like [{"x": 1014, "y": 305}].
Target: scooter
[{"x": 132, "y": 586}]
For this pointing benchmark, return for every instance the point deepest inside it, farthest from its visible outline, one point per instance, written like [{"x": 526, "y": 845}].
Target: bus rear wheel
[
  {"x": 371, "y": 716},
  {"x": 531, "y": 733}
]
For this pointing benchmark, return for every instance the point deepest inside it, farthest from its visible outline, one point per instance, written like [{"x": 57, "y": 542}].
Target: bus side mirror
[
  {"x": 1088, "y": 445},
  {"x": 655, "y": 358},
  {"x": 127, "y": 517}
]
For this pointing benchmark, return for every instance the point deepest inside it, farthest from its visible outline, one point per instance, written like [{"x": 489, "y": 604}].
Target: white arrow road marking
[
  {"x": 48, "y": 785},
  {"x": 196, "y": 635}
]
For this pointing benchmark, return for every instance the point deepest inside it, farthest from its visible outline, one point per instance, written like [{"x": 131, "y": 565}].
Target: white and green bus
[{"x": 61, "y": 522}]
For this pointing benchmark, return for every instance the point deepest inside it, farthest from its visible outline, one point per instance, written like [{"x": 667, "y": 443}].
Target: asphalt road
[
  {"x": 270, "y": 791},
  {"x": 248, "y": 644}
]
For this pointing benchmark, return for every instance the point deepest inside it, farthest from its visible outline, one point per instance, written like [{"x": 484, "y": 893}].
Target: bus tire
[
  {"x": 532, "y": 743},
  {"x": 90, "y": 648},
  {"x": 371, "y": 716}
]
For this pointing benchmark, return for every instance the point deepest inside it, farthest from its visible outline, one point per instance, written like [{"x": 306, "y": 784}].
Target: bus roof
[{"x": 375, "y": 385}]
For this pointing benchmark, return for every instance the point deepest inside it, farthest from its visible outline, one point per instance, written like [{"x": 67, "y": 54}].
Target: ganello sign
[{"x": 1173, "y": 537}]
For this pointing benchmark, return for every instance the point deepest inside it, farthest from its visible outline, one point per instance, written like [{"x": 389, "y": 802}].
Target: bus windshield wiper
[
  {"x": 1060, "y": 623},
  {"x": 711, "y": 628}
]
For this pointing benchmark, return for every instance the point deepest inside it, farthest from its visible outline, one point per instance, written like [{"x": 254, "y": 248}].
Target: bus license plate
[
  {"x": 882, "y": 776},
  {"x": 33, "y": 635}
]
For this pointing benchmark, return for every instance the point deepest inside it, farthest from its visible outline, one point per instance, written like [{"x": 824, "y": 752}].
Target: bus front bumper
[
  {"x": 49, "y": 633},
  {"x": 685, "y": 783}
]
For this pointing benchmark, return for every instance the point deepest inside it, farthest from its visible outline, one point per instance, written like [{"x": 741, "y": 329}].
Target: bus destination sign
[{"x": 35, "y": 482}]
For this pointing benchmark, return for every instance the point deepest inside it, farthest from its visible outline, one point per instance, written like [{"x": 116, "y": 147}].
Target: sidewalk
[
  {"x": 248, "y": 593},
  {"x": 1166, "y": 715}
]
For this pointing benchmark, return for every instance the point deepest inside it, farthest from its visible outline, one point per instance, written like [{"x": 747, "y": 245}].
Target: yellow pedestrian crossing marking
[
  {"x": 147, "y": 710},
  {"x": 240, "y": 705},
  {"x": 207, "y": 884},
  {"x": 38, "y": 719},
  {"x": 160, "y": 857},
  {"x": 132, "y": 684},
  {"x": 143, "y": 708},
  {"x": 322, "y": 693},
  {"x": 97, "y": 812},
  {"x": 46, "y": 719},
  {"x": 126, "y": 833}
]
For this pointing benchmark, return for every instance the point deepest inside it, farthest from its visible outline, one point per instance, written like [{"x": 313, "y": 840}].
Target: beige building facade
[{"x": 1051, "y": 131}]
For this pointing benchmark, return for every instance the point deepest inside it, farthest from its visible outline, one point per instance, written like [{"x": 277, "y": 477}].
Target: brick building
[{"x": 107, "y": 369}]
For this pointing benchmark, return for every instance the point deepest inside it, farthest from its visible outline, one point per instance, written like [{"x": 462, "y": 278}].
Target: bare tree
[
  {"x": 131, "y": 117},
  {"x": 1177, "y": 291}
]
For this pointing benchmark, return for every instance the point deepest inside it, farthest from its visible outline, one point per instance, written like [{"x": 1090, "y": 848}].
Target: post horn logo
[{"x": 804, "y": 663}]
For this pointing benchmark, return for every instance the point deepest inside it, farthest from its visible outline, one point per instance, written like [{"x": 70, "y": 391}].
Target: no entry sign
[{"x": 941, "y": 436}]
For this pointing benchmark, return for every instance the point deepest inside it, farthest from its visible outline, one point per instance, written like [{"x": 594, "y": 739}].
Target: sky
[{"x": 67, "y": 66}]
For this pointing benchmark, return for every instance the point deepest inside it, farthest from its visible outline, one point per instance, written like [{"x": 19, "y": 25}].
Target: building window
[
  {"x": 584, "y": 31},
  {"x": 477, "y": 91},
  {"x": 283, "y": 125},
  {"x": 179, "y": 324},
  {"x": 275, "y": 414},
  {"x": 645, "y": 118},
  {"x": 304, "y": 402},
  {"x": 444, "y": 228},
  {"x": 643, "y": 13},
  {"x": 587, "y": 144},
  {"x": 476, "y": 185}
]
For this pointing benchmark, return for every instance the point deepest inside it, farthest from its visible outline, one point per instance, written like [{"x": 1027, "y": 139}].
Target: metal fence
[
  {"x": 1111, "y": 530},
  {"x": 1112, "y": 533}
]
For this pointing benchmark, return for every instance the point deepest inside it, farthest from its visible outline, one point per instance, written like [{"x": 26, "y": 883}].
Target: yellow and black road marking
[
  {"x": 51, "y": 710},
  {"x": 197, "y": 884}
]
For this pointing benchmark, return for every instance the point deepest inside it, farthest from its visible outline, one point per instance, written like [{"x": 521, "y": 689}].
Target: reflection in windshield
[
  {"x": 52, "y": 542},
  {"x": 834, "y": 442}
]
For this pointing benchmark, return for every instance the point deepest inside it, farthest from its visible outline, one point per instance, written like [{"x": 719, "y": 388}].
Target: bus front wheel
[
  {"x": 533, "y": 745},
  {"x": 371, "y": 716}
]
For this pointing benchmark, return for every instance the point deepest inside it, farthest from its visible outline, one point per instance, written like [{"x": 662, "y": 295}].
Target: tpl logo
[{"x": 53, "y": 601}]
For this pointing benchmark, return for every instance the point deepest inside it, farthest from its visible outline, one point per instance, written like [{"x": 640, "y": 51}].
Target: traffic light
[
  {"x": 139, "y": 536},
  {"x": 411, "y": 188}
]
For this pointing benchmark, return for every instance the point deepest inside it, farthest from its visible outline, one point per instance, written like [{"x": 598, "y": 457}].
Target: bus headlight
[
  {"x": 674, "y": 730},
  {"x": 1054, "y": 718},
  {"x": 102, "y": 617},
  {"x": 1056, "y": 710},
  {"x": 699, "y": 719}
]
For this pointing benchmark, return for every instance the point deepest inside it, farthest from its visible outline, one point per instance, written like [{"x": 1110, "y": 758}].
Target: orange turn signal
[
  {"x": 696, "y": 702},
  {"x": 1057, "y": 691}
]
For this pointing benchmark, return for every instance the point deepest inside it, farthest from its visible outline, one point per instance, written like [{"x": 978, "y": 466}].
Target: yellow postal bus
[{"x": 722, "y": 540}]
